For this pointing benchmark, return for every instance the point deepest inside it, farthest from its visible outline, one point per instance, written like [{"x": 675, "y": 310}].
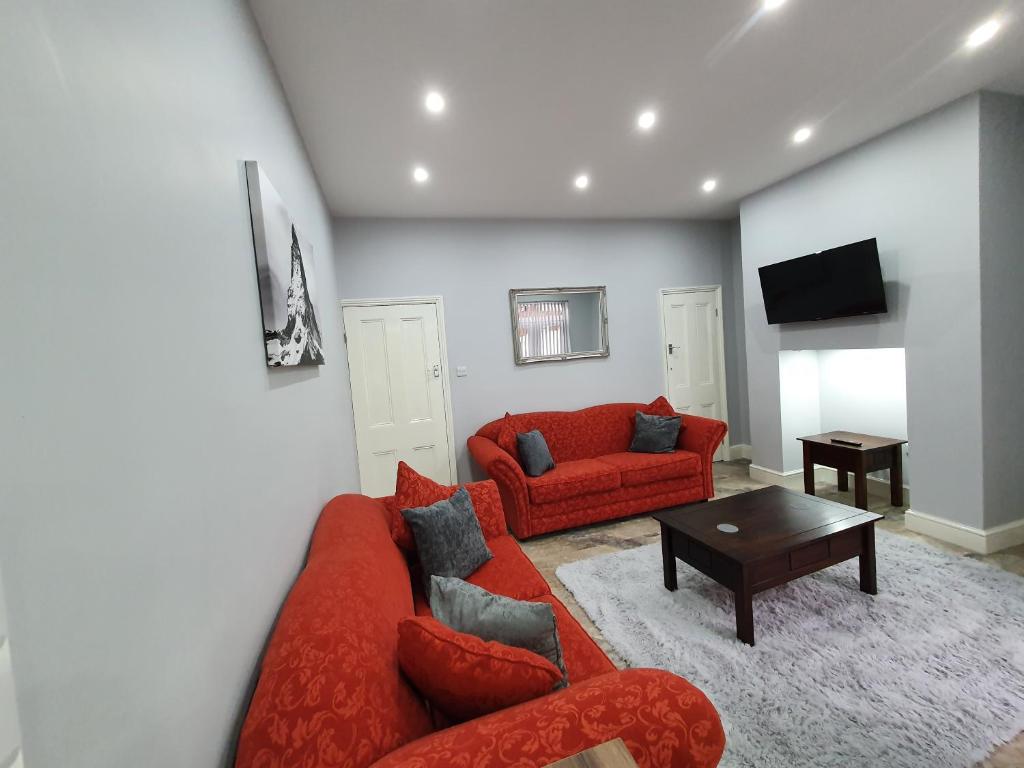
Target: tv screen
[{"x": 839, "y": 282}]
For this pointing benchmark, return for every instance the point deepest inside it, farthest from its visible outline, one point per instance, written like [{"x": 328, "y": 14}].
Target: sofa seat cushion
[
  {"x": 572, "y": 479},
  {"x": 510, "y": 572},
  {"x": 584, "y": 510},
  {"x": 642, "y": 468},
  {"x": 583, "y": 657}
]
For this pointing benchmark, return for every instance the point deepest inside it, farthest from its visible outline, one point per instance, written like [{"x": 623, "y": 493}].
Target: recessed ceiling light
[
  {"x": 773, "y": 5},
  {"x": 801, "y": 135},
  {"x": 646, "y": 119},
  {"x": 983, "y": 34},
  {"x": 581, "y": 182},
  {"x": 420, "y": 174},
  {"x": 434, "y": 102},
  {"x": 709, "y": 185}
]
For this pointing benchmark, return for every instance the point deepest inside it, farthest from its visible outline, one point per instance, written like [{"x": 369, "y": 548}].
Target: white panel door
[
  {"x": 693, "y": 349},
  {"x": 398, "y": 393}
]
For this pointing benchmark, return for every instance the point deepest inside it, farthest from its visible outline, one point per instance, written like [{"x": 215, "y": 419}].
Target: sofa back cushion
[
  {"x": 574, "y": 435},
  {"x": 416, "y": 490},
  {"x": 329, "y": 690}
]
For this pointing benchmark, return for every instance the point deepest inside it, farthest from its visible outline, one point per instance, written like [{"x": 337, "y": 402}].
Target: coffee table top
[
  {"x": 868, "y": 442},
  {"x": 771, "y": 521}
]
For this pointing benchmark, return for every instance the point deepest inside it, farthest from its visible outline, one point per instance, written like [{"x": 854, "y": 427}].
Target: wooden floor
[{"x": 549, "y": 552}]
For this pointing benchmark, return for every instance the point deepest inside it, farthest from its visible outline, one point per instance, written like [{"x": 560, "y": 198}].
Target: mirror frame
[{"x": 515, "y": 293}]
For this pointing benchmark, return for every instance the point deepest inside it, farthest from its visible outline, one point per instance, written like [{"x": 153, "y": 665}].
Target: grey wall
[
  {"x": 1002, "y": 289},
  {"x": 916, "y": 189},
  {"x": 158, "y": 483},
  {"x": 473, "y": 265},
  {"x": 735, "y": 329},
  {"x": 10, "y": 732}
]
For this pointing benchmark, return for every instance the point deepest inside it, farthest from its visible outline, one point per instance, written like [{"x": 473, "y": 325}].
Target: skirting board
[
  {"x": 740, "y": 451},
  {"x": 794, "y": 479},
  {"x": 984, "y": 541}
]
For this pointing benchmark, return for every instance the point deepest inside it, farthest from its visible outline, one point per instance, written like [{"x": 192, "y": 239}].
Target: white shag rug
[{"x": 927, "y": 674}]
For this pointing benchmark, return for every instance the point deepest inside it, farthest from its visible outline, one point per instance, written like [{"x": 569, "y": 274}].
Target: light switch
[{"x": 461, "y": 371}]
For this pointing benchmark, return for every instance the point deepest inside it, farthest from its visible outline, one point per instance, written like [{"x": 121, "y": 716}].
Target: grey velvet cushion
[
  {"x": 655, "y": 434},
  {"x": 449, "y": 541},
  {"x": 533, "y": 453},
  {"x": 475, "y": 611}
]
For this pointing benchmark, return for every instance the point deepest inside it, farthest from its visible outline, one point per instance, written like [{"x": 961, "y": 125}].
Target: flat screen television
[{"x": 840, "y": 282}]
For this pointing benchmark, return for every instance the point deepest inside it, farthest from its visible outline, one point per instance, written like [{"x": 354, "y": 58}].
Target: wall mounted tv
[{"x": 840, "y": 282}]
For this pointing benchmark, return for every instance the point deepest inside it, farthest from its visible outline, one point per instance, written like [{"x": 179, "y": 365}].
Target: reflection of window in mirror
[{"x": 544, "y": 328}]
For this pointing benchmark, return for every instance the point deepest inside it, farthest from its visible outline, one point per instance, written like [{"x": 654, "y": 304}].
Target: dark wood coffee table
[{"x": 782, "y": 536}]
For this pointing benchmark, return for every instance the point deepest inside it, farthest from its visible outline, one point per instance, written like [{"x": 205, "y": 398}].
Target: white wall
[
  {"x": 916, "y": 189},
  {"x": 474, "y": 264},
  {"x": 853, "y": 390},
  {"x": 865, "y": 390},
  {"x": 158, "y": 483},
  {"x": 1002, "y": 296},
  {"x": 799, "y": 401}
]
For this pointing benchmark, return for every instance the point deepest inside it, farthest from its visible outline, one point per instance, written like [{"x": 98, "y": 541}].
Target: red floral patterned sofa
[
  {"x": 330, "y": 692},
  {"x": 596, "y": 477}
]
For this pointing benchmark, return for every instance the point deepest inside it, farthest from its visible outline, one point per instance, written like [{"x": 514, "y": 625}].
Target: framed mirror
[{"x": 558, "y": 323}]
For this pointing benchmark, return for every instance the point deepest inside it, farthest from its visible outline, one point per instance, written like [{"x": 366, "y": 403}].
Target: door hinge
[
  {"x": 344, "y": 338},
  {"x": 716, "y": 311}
]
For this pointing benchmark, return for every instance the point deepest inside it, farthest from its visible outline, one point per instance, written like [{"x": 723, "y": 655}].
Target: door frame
[
  {"x": 722, "y": 387},
  {"x": 446, "y": 383}
]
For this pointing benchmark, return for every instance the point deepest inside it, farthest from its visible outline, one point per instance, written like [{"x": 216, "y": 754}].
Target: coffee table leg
[
  {"x": 668, "y": 558},
  {"x": 745, "y": 611},
  {"x": 868, "y": 578}
]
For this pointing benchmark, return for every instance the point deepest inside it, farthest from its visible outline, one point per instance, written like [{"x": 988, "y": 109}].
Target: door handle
[{"x": 437, "y": 371}]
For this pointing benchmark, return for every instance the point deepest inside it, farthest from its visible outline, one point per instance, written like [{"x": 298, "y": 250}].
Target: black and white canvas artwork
[{"x": 284, "y": 265}]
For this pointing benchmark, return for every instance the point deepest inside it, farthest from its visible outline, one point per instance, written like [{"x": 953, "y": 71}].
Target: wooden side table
[
  {"x": 873, "y": 453},
  {"x": 611, "y": 754}
]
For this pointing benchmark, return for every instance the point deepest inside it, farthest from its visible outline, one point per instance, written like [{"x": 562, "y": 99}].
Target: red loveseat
[
  {"x": 596, "y": 477},
  {"x": 330, "y": 693}
]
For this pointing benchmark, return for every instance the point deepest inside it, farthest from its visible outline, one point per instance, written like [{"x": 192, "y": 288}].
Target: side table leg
[
  {"x": 868, "y": 577},
  {"x": 668, "y": 558},
  {"x": 896, "y": 477},
  {"x": 808, "y": 470},
  {"x": 860, "y": 485},
  {"x": 843, "y": 479}
]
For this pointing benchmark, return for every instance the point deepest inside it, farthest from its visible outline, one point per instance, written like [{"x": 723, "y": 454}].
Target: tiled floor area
[{"x": 549, "y": 552}]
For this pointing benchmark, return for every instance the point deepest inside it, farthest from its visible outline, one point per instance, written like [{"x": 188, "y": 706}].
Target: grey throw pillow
[
  {"x": 449, "y": 541},
  {"x": 655, "y": 434},
  {"x": 533, "y": 453},
  {"x": 475, "y": 611}
]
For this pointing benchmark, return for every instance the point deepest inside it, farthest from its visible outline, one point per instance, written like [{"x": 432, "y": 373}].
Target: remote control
[{"x": 854, "y": 443}]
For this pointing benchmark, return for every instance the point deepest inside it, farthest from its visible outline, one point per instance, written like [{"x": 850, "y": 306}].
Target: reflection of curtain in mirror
[{"x": 543, "y": 328}]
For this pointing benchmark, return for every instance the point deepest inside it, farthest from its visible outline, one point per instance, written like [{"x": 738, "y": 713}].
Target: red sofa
[
  {"x": 596, "y": 477},
  {"x": 330, "y": 693}
]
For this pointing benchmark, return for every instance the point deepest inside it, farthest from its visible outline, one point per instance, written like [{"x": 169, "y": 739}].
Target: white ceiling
[{"x": 539, "y": 89}]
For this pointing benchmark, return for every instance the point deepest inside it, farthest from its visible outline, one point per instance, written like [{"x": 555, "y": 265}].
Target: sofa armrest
[
  {"x": 703, "y": 436},
  {"x": 510, "y": 479},
  {"x": 664, "y": 721}
]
